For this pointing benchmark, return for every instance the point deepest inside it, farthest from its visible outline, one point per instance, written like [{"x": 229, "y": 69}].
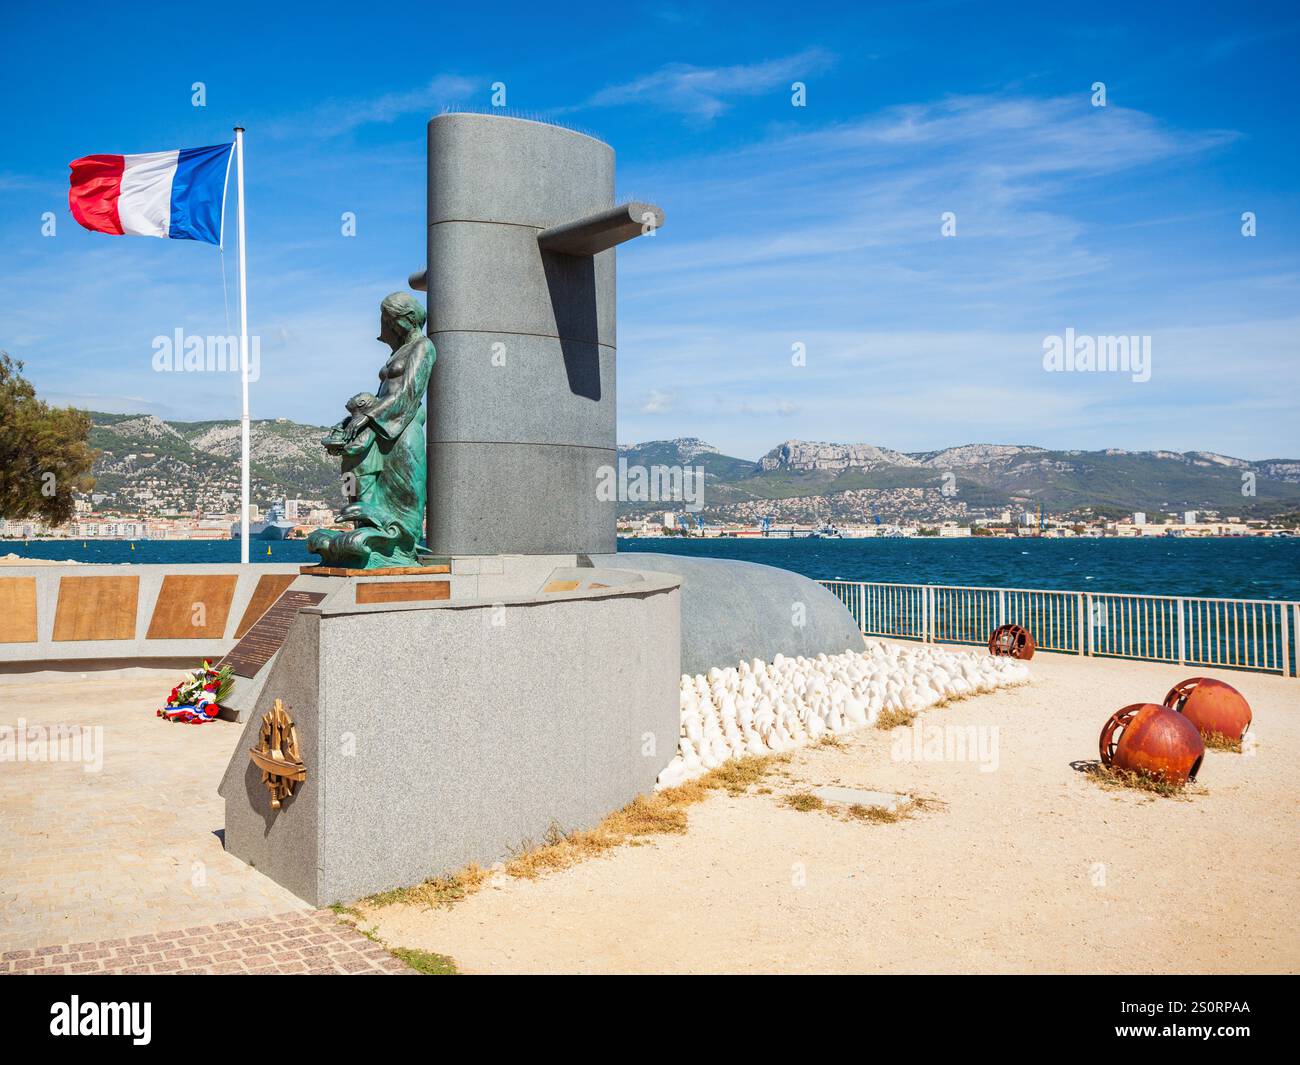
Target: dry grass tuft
[
  {"x": 650, "y": 815},
  {"x": 902, "y": 811},
  {"x": 1113, "y": 778},
  {"x": 735, "y": 777},
  {"x": 896, "y": 718},
  {"x": 1217, "y": 741},
  {"x": 879, "y": 815},
  {"x": 442, "y": 891},
  {"x": 425, "y": 963},
  {"x": 892, "y": 719},
  {"x": 803, "y": 801},
  {"x": 659, "y": 813},
  {"x": 558, "y": 851}
]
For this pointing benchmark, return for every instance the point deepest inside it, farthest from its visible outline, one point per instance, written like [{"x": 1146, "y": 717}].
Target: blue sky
[{"x": 815, "y": 225}]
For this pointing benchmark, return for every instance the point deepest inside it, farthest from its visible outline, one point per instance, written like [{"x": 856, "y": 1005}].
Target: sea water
[{"x": 1233, "y": 568}]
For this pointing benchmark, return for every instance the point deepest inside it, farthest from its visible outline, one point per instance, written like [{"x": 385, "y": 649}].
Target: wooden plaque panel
[
  {"x": 96, "y": 608},
  {"x": 269, "y": 587},
  {"x": 17, "y": 610},
  {"x": 383, "y": 571},
  {"x": 402, "y": 591},
  {"x": 178, "y": 602},
  {"x": 267, "y": 635}
]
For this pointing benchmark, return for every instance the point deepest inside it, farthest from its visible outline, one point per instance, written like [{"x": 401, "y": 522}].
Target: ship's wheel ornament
[{"x": 276, "y": 754}]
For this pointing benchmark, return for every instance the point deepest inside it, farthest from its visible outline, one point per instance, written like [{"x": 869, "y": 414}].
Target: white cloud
[
  {"x": 933, "y": 387},
  {"x": 336, "y": 117},
  {"x": 657, "y": 402},
  {"x": 11, "y": 182},
  {"x": 706, "y": 92},
  {"x": 108, "y": 404},
  {"x": 816, "y": 232}
]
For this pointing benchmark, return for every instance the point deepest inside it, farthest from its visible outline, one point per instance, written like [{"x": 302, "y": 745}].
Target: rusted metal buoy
[
  {"x": 1212, "y": 706},
  {"x": 1012, "y": 640},
  {"x": 1152, "y": 739}
]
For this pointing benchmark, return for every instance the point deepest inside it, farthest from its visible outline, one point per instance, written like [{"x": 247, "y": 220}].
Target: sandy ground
[
  {"x": 1028, "y": 868},
  {"x": 1031, "y": 867},
  {"x": 130, "y": 847}
]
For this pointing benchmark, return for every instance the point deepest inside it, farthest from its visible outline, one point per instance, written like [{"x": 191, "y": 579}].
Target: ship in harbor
[{"x": 275, "y": 527}]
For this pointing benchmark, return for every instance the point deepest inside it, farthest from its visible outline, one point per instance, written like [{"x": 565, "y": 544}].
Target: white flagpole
[{"x": 243, "y": 349}]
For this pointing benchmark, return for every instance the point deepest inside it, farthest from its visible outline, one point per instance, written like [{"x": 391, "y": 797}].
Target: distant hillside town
[
  {"x": 831, "y": 489},
  {"x": 159, "y": 479}
]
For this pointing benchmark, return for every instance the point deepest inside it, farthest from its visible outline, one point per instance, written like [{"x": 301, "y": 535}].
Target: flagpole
[{"x": 243, "y": 350}]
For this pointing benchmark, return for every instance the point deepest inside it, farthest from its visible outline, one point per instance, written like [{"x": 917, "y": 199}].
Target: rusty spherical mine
[
  {"x": 1152, "y": 739},
  {"x": 1212, "y": 706},
  {"x": 1012, "y": 640}
]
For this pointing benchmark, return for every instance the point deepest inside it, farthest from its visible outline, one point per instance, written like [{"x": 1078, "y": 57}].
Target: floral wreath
[{"x": 197, "y": 699}]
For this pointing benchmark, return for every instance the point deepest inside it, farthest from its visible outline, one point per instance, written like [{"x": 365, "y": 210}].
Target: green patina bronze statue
[{"x": 382, "y": 445}]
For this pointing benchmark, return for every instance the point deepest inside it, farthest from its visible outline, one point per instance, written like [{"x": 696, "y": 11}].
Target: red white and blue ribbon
[{"x": 199, "y": 713}]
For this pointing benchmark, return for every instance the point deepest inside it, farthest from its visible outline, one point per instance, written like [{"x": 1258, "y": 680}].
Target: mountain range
[
  {"x": 150, "y": 466},
  {"x": 147, "y": 465},
  {"x": 832, "y": 480}
]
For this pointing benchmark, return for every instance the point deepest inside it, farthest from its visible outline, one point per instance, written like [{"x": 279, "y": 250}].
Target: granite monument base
[{"x": 436, "y": 732}]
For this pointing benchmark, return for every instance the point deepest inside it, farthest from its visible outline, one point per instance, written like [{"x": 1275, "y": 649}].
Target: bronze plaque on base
[
  {"x": 277, "y": 755},
  {"x": 267, "y": 636},
  {"x": 388, "y": 571},
  {"x": 402, "y": 591}
]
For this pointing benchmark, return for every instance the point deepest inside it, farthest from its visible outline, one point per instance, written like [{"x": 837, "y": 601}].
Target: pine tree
[{"x": 44, "y": 451}]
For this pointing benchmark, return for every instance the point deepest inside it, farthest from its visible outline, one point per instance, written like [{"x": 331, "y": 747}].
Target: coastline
[{"x": 1222, "y": 568}]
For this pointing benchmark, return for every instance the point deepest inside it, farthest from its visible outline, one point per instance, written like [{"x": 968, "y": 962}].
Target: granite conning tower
[
  {"x": 522, "y": 236},
  {"x": 443, "y": 716}
]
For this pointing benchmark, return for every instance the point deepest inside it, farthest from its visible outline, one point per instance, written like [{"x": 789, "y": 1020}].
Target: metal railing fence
[{"x": 1253, "y": 634}]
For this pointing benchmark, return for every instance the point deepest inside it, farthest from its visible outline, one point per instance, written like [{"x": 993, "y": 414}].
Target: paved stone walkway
[
  {"x": 310, "y": 943},
  {"x": 115, "y": 861}
]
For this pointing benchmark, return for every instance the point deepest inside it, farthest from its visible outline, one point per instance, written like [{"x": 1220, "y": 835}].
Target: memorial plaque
[
  {"x": 192, "y": 607},
  {"x": 386, "y": 571},
  {"x": 96, "y": 608},
  {"x": 17, "y": 609},
  {"x": 269, "y": 587},
  {"x": 402, "y": 591},
  {"x": 267, "y": 636}
]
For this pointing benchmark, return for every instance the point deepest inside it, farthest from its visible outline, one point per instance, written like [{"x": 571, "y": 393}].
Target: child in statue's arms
[{"x": 353, "y": 434}]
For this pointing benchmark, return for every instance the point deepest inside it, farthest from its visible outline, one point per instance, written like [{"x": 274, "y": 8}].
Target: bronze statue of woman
[{"x": 382, "y": 445}]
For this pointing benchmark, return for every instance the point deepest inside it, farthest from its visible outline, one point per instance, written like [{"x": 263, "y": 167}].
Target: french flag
[{"x": 179, "y": 194}]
